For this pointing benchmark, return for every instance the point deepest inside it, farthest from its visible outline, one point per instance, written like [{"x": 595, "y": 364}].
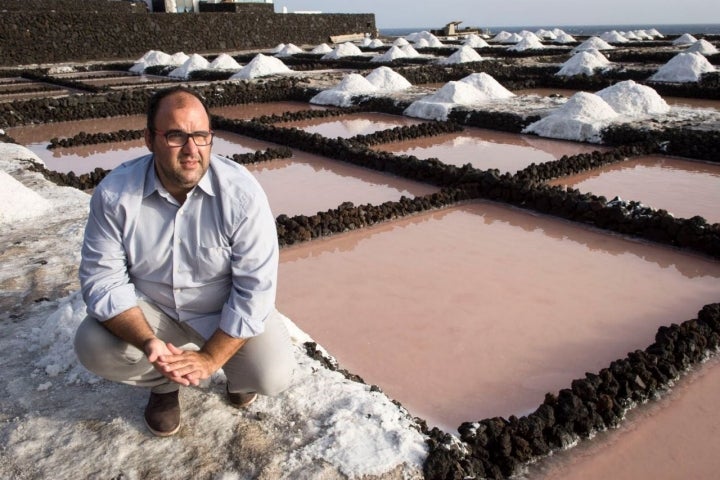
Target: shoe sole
[
  {"x": 245, "y": 404},
  {"x": 158, "y": 433}
]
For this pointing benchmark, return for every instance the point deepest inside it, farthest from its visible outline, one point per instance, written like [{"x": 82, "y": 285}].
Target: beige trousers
[{"x": 263, "y": 365}]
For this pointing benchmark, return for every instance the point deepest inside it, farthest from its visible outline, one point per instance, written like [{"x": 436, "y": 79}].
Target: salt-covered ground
[{"x": 58, "y": 421}]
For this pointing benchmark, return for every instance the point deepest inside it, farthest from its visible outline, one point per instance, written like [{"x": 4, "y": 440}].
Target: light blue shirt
[{"x": 211, "y": 262}]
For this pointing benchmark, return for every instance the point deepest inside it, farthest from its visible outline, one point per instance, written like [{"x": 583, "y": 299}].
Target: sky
[{"x": 435, "y": 14}]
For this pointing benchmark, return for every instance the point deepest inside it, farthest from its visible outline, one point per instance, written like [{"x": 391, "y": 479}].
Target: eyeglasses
[{"x": 177, "y": 138}]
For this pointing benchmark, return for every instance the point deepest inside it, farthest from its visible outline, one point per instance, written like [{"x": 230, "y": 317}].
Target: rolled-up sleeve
[
  {"x": 104, "y": 279},
  {"x": 254, "y": 257}
]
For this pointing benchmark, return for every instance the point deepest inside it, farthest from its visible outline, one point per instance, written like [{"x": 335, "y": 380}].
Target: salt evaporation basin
[
  {"x": 683, "y": 67},
  {"x": 486, "y": 149},
  {"x": 667, "y": 439},
  {"x": 347, "y": 126},
  {"x": 479, "y": 310},
  {"x": 685, "y": 188},
  {"x": 307, "y": 184}
]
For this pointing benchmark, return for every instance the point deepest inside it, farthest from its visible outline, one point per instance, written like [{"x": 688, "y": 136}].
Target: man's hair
[{"x": 156, "y": 99}]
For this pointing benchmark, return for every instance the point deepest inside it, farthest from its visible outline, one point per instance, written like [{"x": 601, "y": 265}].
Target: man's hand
[{"x": 186, "y": 367}]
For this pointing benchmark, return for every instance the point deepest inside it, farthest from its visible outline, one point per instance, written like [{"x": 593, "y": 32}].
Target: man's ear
[{"x": 149, "y": 139}]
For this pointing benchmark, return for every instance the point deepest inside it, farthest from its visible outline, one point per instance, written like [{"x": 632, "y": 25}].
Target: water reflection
[{"x": 490, "y": 305}]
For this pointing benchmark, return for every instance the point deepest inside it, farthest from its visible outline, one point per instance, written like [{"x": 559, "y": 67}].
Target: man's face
[{"x": 179, "y": 168}]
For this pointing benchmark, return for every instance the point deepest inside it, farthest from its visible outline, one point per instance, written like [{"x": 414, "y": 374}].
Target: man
[{"x": 179, "y": 270}]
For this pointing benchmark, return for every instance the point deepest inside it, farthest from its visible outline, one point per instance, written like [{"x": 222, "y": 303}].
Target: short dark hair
[{"x": 154, "y": 103}]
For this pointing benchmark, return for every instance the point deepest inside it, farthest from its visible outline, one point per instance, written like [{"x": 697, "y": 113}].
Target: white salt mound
[
  {"x": 278, "y": 48},
  {"x": 703, "y": 47},
  {"x": 194, "y": 62},
  {"x": 438, "y": 105},
  {"x": 341, "y": 95},
  {"x": 261, "y": 66},
  {"x": 392, "y": 54},
  {"x": 151, "y": 59},
  {"x": 613, "y": 37},
  {"x": 631, "y": 36},
  {"x": 593, "y": 42},
  {"x": 463, "y": 54},
  {"x": 400, "y": 42},
  {"x": 486, "y": 84},
  {"x": 632, "y": 99},
  {"x": 388, "y": 80},
  {"x": 655, "y": 33},
  {"x": 322, "y": 48},
  {"x": 529, "y": 43},
  {"x": 289, "y": 50},
  {"x": 409, "y": 51},
  {"x": 501, "y": 37},
  {"x": 581, "y": 119},
  {"x": 422, "y": 43},
  {"x": 564, "y": 38},
  {"x": 683, "y": 67},
  {"x": 346, "y": 49},
  {"x": 179, "y": 58},
  {"x": 583, "y": 63},
  {"x": 475, "y": 41},
  {"x": 376, "y": 43},
  {"x": 513, "y": 38},
  {"x": 684, "y": 39},
  {"x": 17, "y": 202},
  {"x": 225, "y": 62}
]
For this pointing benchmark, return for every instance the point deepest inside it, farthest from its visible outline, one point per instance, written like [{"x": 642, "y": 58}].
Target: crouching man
[{"x": 179, "y": 270}]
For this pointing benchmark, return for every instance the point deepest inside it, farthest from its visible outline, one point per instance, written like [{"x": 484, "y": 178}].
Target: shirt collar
[{"x": 153, "y": 184}]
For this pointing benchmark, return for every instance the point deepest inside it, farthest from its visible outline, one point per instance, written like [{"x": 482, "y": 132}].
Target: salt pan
[
  {"x": 683, "y": 67},
  {"x": 261, "y": 66},
  {"x": 633, "y": 99}
]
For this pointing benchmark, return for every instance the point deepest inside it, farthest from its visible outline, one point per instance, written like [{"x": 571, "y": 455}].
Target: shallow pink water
[
  {"x": 350, "y": 125},
  {"x": 479, "y": 310},
  {"x": 674, "y": 438},
  {"x": 486, "y": 149},
  {"x": 308, "y": 184},
  {"x": 683, "y": 187}
]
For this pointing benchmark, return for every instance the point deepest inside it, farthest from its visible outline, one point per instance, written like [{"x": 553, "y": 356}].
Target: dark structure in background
[{"x": 51, "y": 31}]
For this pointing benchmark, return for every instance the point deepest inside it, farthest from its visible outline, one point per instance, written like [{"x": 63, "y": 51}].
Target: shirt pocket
[{"x": 212, "y": 263}]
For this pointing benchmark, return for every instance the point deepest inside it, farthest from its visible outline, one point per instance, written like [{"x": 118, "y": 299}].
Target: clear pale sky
[{"x": 476, "y": 13}]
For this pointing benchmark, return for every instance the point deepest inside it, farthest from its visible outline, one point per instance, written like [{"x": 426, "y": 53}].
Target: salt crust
[
  {"x": 683, "y": 67},
  {"x": 261, "y": 66}
]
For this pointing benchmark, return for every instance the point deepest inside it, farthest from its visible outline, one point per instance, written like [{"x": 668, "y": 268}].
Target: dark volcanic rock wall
[{"x": 48, "y": 34}]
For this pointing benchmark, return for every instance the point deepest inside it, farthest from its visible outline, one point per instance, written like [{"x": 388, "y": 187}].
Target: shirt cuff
[
  {"x": 237, "y": 325},
  {"x": 112, "y": 303}
]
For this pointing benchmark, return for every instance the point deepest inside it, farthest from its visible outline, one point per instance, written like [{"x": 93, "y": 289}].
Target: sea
[{"x": 580, "y": 30}]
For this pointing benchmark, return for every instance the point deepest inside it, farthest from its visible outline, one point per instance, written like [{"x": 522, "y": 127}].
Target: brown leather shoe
[
  {"x": 240, "y": 400},
  {"x": 162, "y": 414}
]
